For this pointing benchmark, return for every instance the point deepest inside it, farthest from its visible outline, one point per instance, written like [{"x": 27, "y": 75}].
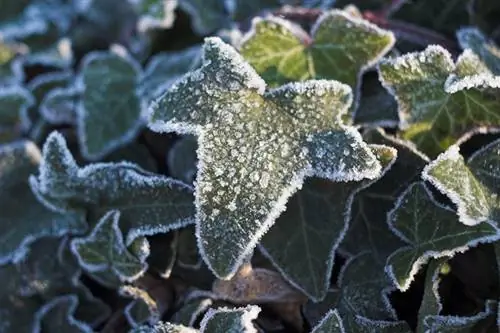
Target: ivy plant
[{"x": 249, "y": 166}]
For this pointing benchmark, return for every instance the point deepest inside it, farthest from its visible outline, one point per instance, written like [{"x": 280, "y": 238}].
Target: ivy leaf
[
  {"x": 164, "y": 68},
  {"x": 19, "y": 226},
  {"x": 14, "y": 104},
  {"x": 471, "y": 185},
  {"x": 431, "y": 231},
  {"x": 155, "y": 14},
  {"x": 206, "y": 16},
  {"x": 11, "y": 71},
  {"x": 42, "y": 84},
  {"x": 59, "y": 106},
  {"x": 340, "y": 47},
  {"x": 142, "y": 309},
  {"x": 473, "y": 39},
  {"x": 437, "y": 103},
  {"x": 57, "y": 316},
  {"x": 17, "y": 21},
  {"x": 188, "y": 314},
  {"x": 303, "y": 241},
  {"x": 110, "y": 112},
  {"x": 58, "y": 55},
  {"x": 164, "y": 328},
  {"x": 104, "y": 249},
  {"x": 331, "y": 323},
  {"x": 148, "y": 203},
  {"x": 368, "y": 229},
  {"x": 230, "y": 320},
  {"x": 242, "y": 184}
]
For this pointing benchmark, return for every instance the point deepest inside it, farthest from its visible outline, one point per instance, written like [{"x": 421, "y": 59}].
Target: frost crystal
[{"x": 243, "y": 182}]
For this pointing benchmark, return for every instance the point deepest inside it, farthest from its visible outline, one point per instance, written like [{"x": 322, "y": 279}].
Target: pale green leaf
[
  {"x": 368, "y": 228},
  {"x": 243, "y": 184},
  {"x": 437, "y": 104},
  {"x": 104, "y": 249},
  {"x": 430, "y": 230},
  {"x": 58, "y": 316},
  {"x": 110, "y": 112},
  {"x": 340, "y": 47},
  {"x": 303, "y": 241},
  {"x": 473, "y": 185},
  {"x": 148, "y": 203},
  {"x": 473, "y": 39},
  {"x": 237, "y": 320},
  {"x": 23, "y": 219},
  {"x": 331, "y": 323}
]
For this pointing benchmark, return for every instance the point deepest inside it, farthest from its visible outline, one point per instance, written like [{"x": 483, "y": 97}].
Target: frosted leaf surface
[
  {"x": 368, "y": 229},
  {"x": 340, "y": 47},
  {"x": 331, "y": 323},
  {"x": 256, "y": 147},
  {"x": 190, "y": 311},
  {"x": 155, "y": 14},
  {"x": 148, "y": 203},
  {"x": 162, "y": 327},
  {"x": 436, "y": 103},
  {"x": 164, "y": 68},
  {"x": 104, "y": 250},
  {"x": 430, "y": 231},
  {"x": 110, "y": 112},
  {"x": 20, "y": 226},
  {"x": 142, "y": 309},
  {"x": 473, "y": 39},
  {"x": 58, "y": 316},
  {"x": 303, "y": 241},
  {"x": 237, "y": 320},
  {"x": 14, "y": 104},
  {"x": 473, "y": 185}
]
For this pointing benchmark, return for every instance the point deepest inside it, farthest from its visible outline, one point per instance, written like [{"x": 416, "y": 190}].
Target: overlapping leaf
[
  {"x": 331, "y": 323},
  {"x": 431, "y": 231},
  {"x": 473, "y": 185},
  {"x": 340, "y": 47},
  {"x": 303, "y": 241},
  {"x": 438, "y": 103},
  {"x": 104, "y": 250},
  {"x": 142, "y": 309},
  {"x": 155, "y": 14},
  {"x": 242, "y": 184},
  {"x": 148, "y": 203},
  {"x": 473, "y": 39},
  {"x": 230, "y": 320},
  {"x": 110, "y": 112},
  {"x": 10, "y": 68},
  {"x": 23, "y": 218},
  {"x": 14, "y": 119},
  {"x": 58, "y": 316}
]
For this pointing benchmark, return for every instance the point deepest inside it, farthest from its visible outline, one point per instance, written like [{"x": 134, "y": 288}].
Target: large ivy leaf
[
  {"x": 303, "y": 241},
  {"x": 104, "y": 250},
  {"x": 488, "y": 51},
  {"x": 473, "y": 185},
  {"x": 14, "y": 119},
  {"x": 148, "y": 203},
  {"x": 155, "y": 14},
  {"x": 340, "y": 47},
  {"x": 24, "y": 219},
  {"x": 230, "y": 320},
  {"x": 57, "y": 316},
  {"x": 438, "y": 104},
  {"x": 243, "y": 184},
  {"x": 431, "y": 231},
  {"x": 368, "y": 228},
  {"x": 110, "y": 112}
]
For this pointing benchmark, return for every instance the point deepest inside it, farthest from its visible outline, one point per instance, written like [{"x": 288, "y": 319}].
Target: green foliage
[{"x": 309, "y": 166}]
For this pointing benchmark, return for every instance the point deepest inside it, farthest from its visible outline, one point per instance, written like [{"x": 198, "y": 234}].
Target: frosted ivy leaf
[
  {"x": 20, "y": 226},
  {"x": 57, "y": 316},
  {"x": 110, "y": 112},
  {"x": 104, "y": 249},
  {"x": 256, "y": 285},
  {"x": 256, "y": 147},
  {"x": 430, "y": 230},
  {"x": 164, "y": 68},
  {"x": 148, "y": 203},
  {"x": 437, "y": 104},
  {"x": 182, "y": 159},
  {"x": 189, "y": 313},
  {"x": 331, "y": 323},
  {"x": 14, "y": 104},
  {"x": 155, "y": 14},
  {"x": 473, "y": 185},
  {"x": 473, "y": 39},
  {"x": 340, "y": 47},
  {"x": 142, "y": 309},
  {"x": 18, "y": 20},
  {"x": 58, "y": 55},
  {"x": 368, "y": 229},
  {"x": 230, "y": 320},
  {"x": 42, "y": 84},
  {"x": 59, "y": 106},
  {"x": 303, "y": 241},
  {"x": 164, "y": 328}
]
